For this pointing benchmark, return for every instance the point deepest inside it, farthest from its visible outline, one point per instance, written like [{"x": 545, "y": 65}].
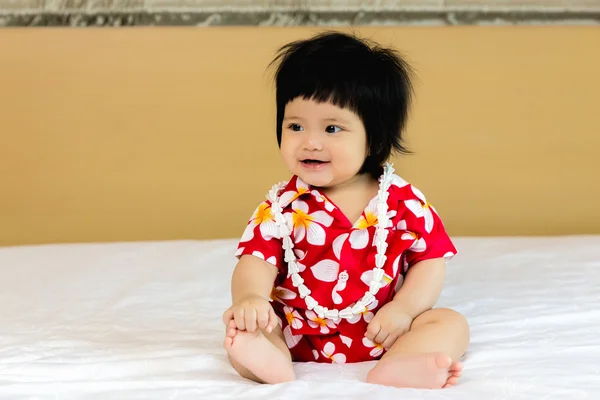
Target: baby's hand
[
  {"x": 389, "y": 323},
  {"x": 251, "y": 313}
]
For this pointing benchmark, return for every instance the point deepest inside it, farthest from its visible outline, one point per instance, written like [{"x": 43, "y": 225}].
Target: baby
[{"x": 345, "y": 261}]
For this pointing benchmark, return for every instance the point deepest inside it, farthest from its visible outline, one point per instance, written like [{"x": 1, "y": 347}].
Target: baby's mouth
[{"x": 312, "y": 162}]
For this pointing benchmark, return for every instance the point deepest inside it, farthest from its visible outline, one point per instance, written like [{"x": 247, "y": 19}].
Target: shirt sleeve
[
  {"x": 427, "y": 227},
  {"x": 261, "y": 237}
]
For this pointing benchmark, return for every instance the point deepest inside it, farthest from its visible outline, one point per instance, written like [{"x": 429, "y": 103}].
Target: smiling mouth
[{"x": 313, "y": 162}]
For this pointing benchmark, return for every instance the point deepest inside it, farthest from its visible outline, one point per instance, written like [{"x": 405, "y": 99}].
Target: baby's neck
[
  {"x": 353, "y": 196},
  {"x": 363, "y": 183}
]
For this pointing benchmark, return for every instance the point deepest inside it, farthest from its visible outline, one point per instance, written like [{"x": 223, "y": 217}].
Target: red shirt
[{"x": 336, "y": 257}]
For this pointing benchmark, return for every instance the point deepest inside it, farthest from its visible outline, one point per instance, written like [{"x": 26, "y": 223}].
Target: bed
[{"x": 141, "y": 320}]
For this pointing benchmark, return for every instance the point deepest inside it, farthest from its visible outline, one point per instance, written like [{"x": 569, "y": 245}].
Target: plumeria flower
[
  {"x": 299, "y": 257},
  {"x": 280, "y": 294},
  {"x": 359, "y": 238},
  {"x": 315, "y": 322},
  {"x": 338, "y": 244},
  {"x": 396, "y": 180},
  {"x": 419, "y": 245},
  {"x": 421, "y": 208},
  {"x": 264, "y": 217},
  {"x": 329, "y": 352},
  {"x": 309, "y": 224},
  {"x": 270, "y": 260},
  {"x": 315, "y": 354},
  {"x": 367, "y": 314},
  {"x": 367, "y": 277},
  {"x": 377, "y": 348},
  {"x": 290, "y": 339},
  {"x": 449, "y": 255},
  {"x": 322, "y": 199},
  {"x": 346, "y": 340},
  {"x": 326, "y": 270},
  {"x": 293, "y": 317},
  {"x": 291, "y": 195},
  {"x": 395, "y": 267},
  {"x": 401, "y": 225}
]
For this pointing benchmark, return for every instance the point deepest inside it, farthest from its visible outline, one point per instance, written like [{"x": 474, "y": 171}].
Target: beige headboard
[{"x": 165, "y": 133}]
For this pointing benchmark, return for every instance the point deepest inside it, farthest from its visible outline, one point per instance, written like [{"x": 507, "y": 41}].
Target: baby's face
[{"x": 323, "y": 144}]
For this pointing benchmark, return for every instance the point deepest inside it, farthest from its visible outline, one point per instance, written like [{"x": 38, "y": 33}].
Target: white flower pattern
[
  {"x": 377, "y": 349},
  {"x": 421, "y": 208},
  {"x": 324, "y": 324},
  {"x": 264, "y": 218},
  {"x": 291, "y": 195},
  {"x": 309, "y": 224},
  {"x": 329, "y": 352},
  {"x": 270, "y": 260},
  {"x": 367, "y": 315},
  {"x": 281, "y": 294},
  {"x": 359, "y": 238},
  {"x": 322, "y": 199},
  {"x": 290, "y": 339},
  {"x": 294, "y": 319},
  {"x": 367, "y": 277},
  {"x": 326, "y": 270}
]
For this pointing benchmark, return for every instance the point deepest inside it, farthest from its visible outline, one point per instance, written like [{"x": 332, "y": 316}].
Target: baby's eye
[
  {"x": 332, "y": 129},
  {"x": 295, "y": 127}
]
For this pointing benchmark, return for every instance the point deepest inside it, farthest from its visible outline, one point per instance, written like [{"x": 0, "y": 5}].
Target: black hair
[{"x": 353, "y": 73}]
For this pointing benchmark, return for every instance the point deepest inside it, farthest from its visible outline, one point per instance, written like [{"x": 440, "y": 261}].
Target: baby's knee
[
  {"x": 457, "y": 321},
  {"x": 443, "y": 315}
]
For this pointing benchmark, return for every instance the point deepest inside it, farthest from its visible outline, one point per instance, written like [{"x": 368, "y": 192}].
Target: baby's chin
[{"x": 314, "y": 180}]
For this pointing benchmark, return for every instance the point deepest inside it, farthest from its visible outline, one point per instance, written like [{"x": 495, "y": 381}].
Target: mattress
[{"x": 143, "y": 321}]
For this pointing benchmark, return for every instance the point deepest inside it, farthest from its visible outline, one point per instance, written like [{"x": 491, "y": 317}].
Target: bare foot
[
  {"x": 258, "y": 355},
  {"x": 428, "y": 371}
]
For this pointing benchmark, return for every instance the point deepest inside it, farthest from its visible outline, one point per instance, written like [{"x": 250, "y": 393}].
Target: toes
[
  {"x": 227, "y": 343},
  {"x": 443, "y": 361},
  {"x": 446, "y": 386},
  {"x": 457, "y": 366},
  {"x": 231, "y": 332},
  {"x": 457, "y": 374},
  {"x": 452, "y": 381}
]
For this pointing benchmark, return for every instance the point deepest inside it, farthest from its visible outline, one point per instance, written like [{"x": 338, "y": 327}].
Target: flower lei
[{"x": 381, "y": 233}]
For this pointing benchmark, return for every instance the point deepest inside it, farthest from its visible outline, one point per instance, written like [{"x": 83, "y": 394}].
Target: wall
[
  {"x": 82, "y": 13},
  {"x": 168, "y": 133}
]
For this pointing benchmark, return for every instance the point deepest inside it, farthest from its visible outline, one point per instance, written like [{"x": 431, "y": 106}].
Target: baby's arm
[
  {"x": 251, "y": 288},
  {"x": 422, "y": 286},
  {"x": 421, "y": 289}
]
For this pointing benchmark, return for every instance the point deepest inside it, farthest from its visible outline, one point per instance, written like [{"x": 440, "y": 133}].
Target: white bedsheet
[{"x": 142, "y": 321}]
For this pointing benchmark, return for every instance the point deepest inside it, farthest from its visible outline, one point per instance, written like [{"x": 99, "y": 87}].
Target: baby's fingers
[
  {"x": 238, "y": 316},
  {"x": 381, "y": 336},
  {"x": 250, "y": 319},
  {"x": 373, "y": 330},
  {"x": 262, "y": 317},
  {"x": 272, "y": 320},
  {"x": 389, "y": 341},
  {"x": 227, "y": 316}
]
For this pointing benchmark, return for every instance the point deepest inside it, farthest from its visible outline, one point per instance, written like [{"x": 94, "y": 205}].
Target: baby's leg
[
  {"x": 260, "y": 356},
  {"x": 428, "y": 355}
]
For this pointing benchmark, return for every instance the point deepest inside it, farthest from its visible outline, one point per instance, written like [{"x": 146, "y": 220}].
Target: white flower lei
[{"x": 381, "y": 233}]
